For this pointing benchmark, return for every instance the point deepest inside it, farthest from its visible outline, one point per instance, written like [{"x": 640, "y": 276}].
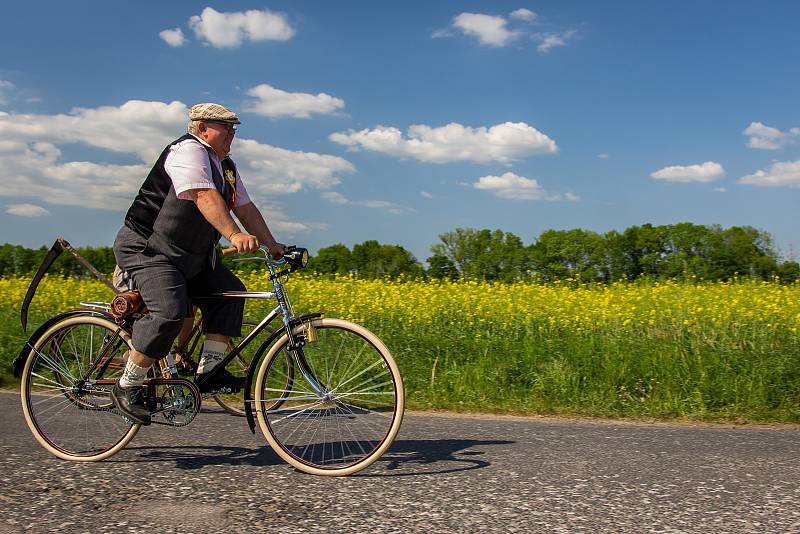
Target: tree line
[{"x": 656, "y": 252}]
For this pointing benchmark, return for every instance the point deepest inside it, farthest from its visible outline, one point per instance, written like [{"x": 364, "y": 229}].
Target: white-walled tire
[
  {"x": 348, "y": 423},
  {"x": 69, "y": 416}
]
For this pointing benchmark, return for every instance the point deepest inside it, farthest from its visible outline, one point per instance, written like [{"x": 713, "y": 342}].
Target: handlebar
[{"x": 295, "y": 256}]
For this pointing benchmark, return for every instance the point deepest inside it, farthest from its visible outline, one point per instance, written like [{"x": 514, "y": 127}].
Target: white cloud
[
  {"x": 272, "y": 170},
  {"x": 425, "y": 194},
  {"x": 441, "y": 34},
  {"x": 138, "y": 127},
  {"x": 768, "y": 138},
  {"x": 488, "y": 29},
  {"x": 514, "y": 187},
  {"x": 705, "y": 172},
  {"x": 229, "y": 30},
  {"x": 26, "y": 210},
  {"x": 720, "y": 189},
  {"x": 174, "y": 37},
  {"x": 280, "y": 224},
  {"x": 335, "y": 197},
  {"x": 554, "y": 40},
  {"x": 31, "y": 160},
  {"x": 5, "y": 86},
  {"x": 603, "y": 156},
  {"x": 504, "y": 142},
  {"x": 272, "y": 102},
  {"x": 780, "y": 174},
  {"x": 523, "y": 14}
]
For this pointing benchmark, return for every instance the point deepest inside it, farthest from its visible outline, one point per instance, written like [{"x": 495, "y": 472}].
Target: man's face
[{"x": 219, "y": 135}]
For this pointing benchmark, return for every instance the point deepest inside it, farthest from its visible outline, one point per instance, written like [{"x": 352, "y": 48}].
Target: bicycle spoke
[{"x": 357, "y": 412}]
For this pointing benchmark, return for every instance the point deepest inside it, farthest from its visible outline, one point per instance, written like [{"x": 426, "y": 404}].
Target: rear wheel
[
  {"x": 65, "y": 389},
  {"x": 343, "y": 408},
  {"x": 233, "y": 403}
]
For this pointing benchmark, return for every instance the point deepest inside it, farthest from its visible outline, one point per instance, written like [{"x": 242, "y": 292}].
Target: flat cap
[{"x": 212, "y": 112}]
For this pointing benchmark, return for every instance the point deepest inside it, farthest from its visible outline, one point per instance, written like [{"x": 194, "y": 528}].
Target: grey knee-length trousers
[{"x": 168, "y": 295}]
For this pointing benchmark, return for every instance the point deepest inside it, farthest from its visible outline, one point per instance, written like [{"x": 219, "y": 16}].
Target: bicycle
[
  {"x": 326, "y": 393},
  {"x": 188, "y": 351}
]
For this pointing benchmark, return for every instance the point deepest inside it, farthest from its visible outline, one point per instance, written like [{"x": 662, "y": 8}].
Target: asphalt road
[{"x": 444, "y": 473}]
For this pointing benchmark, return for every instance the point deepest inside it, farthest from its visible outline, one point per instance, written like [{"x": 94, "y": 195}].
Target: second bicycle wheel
[{"x": 343, "y": 408}]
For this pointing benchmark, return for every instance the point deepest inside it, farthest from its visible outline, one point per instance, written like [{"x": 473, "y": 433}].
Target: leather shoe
[
  {"x": 213, "y": 381},
  {"x": 130, "y": 401}
]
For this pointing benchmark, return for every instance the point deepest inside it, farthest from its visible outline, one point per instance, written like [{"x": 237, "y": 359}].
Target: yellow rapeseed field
[
  {"x": 664, "y": 349},
  {"x": 741, "y": 305}
]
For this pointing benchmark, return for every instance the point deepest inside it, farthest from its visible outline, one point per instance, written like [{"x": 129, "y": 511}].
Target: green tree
[
  {"x": 371, "y": 259},
  {"x": 335, "y": 259},
  {"x": 570, "y": 253},
  {"x": 483, "y": 254}
]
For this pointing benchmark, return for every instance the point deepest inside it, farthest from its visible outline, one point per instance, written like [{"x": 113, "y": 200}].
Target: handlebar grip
[{"x": 229, "y": 250}]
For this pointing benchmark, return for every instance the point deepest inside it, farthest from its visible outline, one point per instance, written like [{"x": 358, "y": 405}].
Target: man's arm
[
  {"x": 213, "y": 208},
  {"x": 254, "y": 223}
]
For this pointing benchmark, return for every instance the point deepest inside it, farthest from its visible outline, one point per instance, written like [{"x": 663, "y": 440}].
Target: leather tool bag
[{"x": 126, "y": 304}]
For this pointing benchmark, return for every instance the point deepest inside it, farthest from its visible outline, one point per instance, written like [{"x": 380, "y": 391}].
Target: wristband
[{"x": 233, "y": 234}]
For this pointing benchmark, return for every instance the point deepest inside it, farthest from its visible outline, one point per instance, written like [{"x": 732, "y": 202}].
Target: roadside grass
[{"x": 702, "y": 351}]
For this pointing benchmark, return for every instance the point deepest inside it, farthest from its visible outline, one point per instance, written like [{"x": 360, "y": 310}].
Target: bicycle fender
[
  {"x": 249, "y": 379},
  {"x": 254, "y": 364},
  {"x": 19, "y": 361},
  {"x": 54, "y": 252}
]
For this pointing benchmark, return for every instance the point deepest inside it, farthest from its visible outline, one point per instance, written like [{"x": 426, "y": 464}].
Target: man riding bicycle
[{"x": 167, "y": 246}]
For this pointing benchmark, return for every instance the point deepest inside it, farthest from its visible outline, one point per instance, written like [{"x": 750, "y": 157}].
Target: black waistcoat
[{"x": 175, "y": 227}]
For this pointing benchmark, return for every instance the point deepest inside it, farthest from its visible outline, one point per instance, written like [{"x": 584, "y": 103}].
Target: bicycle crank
[{"x": 177, "y": 400}]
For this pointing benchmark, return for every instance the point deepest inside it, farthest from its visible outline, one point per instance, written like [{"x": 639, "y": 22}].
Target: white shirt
[{"x": 187, "y": 164}]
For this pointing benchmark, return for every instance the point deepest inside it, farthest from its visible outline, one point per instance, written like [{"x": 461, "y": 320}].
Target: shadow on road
[
  {"x": 197, "y": 457},
  {"x": 404, "y": 458},
  {"x": 432, "y": 456}
]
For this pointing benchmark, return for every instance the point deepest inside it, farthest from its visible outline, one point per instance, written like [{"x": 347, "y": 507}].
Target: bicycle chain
[{"x": 115, "y": 411}]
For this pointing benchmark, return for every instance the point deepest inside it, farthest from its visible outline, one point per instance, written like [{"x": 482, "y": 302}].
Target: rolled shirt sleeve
[
  {"x": 189, "y": 167},
  {"x": 188, "y": 164}
]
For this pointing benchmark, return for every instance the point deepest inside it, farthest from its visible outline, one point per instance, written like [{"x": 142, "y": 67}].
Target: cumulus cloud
[
  {"x": 514, "y": 187},
  {"x": 704, "y": 172},
  {"x": 230, "y": 30},
  {"x": 335, "y": 197},
  {"x": 29, "y": 144},
  {"x": 523, "y": 14},
  {"x": 27, "y": 210},
  {"x": 503, "y": 143},
  {"x": 425, "y": 194},
  {"x": 488, "y": 29},
  {"x": 768, "y": 138},
  {"x": 273, "y": 170},
  {"x": 499, "y": 31},
  {"x": 554, "y": 40},
  {"x": 173, "y": 37},
  {"x": 779, "y": 174},
  {"x": 272, "y": 102}
]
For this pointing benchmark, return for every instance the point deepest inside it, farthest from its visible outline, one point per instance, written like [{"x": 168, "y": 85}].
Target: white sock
[
  {"x": 213, "y": 352},
  {"x": 133, "y": 375}
]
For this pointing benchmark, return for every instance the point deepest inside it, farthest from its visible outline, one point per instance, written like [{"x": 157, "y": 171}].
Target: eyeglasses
[{"x": 226, "y": 125}]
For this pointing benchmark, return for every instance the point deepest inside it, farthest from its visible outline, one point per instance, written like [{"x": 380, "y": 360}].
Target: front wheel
[
  {"x": 344, "y": 406},
  {"x": 65, "y": 388}
]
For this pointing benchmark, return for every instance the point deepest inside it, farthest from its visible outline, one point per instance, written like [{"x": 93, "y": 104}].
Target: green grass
[{"x": 729, "y": 363}]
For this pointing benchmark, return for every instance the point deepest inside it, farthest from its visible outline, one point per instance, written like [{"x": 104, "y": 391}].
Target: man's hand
[
  {"x": 276, "y": 250},
  {"x": 244, "y": 242}
]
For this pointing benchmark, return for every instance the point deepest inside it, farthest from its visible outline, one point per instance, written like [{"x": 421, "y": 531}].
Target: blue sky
[{"x": 401, "y": 121}]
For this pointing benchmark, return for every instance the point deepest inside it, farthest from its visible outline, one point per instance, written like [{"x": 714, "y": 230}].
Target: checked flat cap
[{"x": 213, "y": 112}]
